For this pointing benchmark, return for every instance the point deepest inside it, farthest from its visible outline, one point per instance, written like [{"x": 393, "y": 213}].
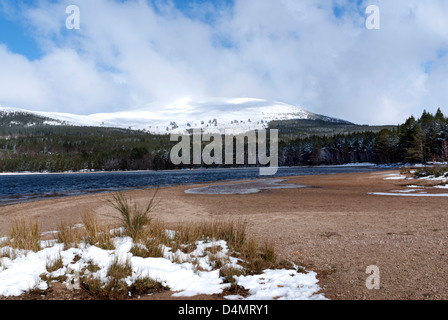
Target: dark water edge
[{"x": 19, "y": 188}]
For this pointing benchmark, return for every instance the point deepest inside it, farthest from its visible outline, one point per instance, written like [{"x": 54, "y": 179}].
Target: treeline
[
  {"x": 65, "y": 148},
  {"x": 420, "y": 140},
  {"x": 328, "y": 150}
]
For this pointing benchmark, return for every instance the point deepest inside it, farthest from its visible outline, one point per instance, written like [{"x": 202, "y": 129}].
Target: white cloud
[
  {"x": 20, "y": 83},
  {"x": 128, "y": 54}
]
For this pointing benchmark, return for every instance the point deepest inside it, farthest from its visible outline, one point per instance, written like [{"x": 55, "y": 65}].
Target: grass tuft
[
  {"x": 132, "y": 217},
  {"x": 146, "y": 285},
  {"x": 97, "y": 233},
  {"x": 119, "y": 269},
  {"x": 54, "y": 264},
  {"x": 69, "y": 235},
  {"x": 25, "y": 235}
]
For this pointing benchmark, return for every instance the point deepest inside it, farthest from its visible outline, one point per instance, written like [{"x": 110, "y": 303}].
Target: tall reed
[{"x": 132, "y": 217}]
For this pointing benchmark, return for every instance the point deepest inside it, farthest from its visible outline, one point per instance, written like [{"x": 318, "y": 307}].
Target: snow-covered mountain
[{"x": 240, "y": 115}]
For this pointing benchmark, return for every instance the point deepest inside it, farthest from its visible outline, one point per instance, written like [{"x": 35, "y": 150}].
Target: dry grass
[
  {"x": 54, "y": 264},
  {"x": 96, "y": 288},
  {"x": 25, "y": 235},
  {"x": 115, "y": 288},
  {"x": 229, "y": 273},
  {"x": 119, "y": 269},
  {"x": 69, "y": 235},
  {"x": 268, "y": 252},
  {"x": 154, "y": 248},
  {"x": 97, "y": 233},
  {"x": 233, "y": 232},
  {"x": 146, "y": 285},
  {"x": 8, "y": 252},
  {"x": 91, "y": 267},
  {"x": 256, "y": 256}
]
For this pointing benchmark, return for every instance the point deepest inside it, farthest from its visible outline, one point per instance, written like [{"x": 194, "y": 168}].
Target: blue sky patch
[{"x": 16, "y": 37}]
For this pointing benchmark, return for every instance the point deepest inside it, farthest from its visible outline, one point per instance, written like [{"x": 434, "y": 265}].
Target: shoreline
[
  {"x": 82, "y": 188},
  {"x": 334, "y": 228},
  {"x": 186, "y": 169}
]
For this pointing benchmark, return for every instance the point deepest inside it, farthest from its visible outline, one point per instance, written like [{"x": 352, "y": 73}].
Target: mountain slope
[
  {"x": 212, "y": 115},
  {"x": 10, "y": 118}
]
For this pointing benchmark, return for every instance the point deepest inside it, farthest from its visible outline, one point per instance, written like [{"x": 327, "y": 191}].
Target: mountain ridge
[{"x": 237, "y": 114}]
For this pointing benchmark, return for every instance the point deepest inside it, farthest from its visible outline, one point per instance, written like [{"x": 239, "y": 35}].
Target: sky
[{"x": 315, "y": 54}]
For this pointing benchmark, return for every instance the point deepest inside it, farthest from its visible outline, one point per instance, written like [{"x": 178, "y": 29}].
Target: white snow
[
  {"x": 353, "y": 164},
  {"x": 175, "y": 270},
  {"x": 395, "y": 176},
  {"x": 22, "y": 273},
  {"x": 414, "y": 190},
  {"x": 410, "y": 194},
  {"x": 281, "y": 284},
  {"x": 434, "y": 178},
  {"x": 212, "y": 115},
  {"x": 405, "y": 191}
]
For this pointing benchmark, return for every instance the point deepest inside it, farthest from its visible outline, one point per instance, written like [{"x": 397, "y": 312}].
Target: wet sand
[{"x": 333, "y": 227}]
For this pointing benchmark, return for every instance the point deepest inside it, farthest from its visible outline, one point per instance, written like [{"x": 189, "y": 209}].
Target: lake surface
[{"x": 16, "y": 188}]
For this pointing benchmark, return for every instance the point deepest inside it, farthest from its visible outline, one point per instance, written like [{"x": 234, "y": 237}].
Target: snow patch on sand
[
  {"x": 410, "y": 194},
  {"x": 395, "y": 176},
  {"x": 244, "y": 187},
  {"x": 20, "y": 271}
]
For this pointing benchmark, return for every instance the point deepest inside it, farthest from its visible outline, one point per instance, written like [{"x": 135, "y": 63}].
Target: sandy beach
[{"x": 334, "y": 227}]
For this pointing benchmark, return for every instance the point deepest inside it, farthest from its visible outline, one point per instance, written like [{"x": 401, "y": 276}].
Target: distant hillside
[
  {"x": 304, "y": 128},
  {"x": 13, "y": 122},
  {"x": 291, "y": 121},
  {"x": 10, "y": 118},
  {"x": 213, "y": 115}
]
